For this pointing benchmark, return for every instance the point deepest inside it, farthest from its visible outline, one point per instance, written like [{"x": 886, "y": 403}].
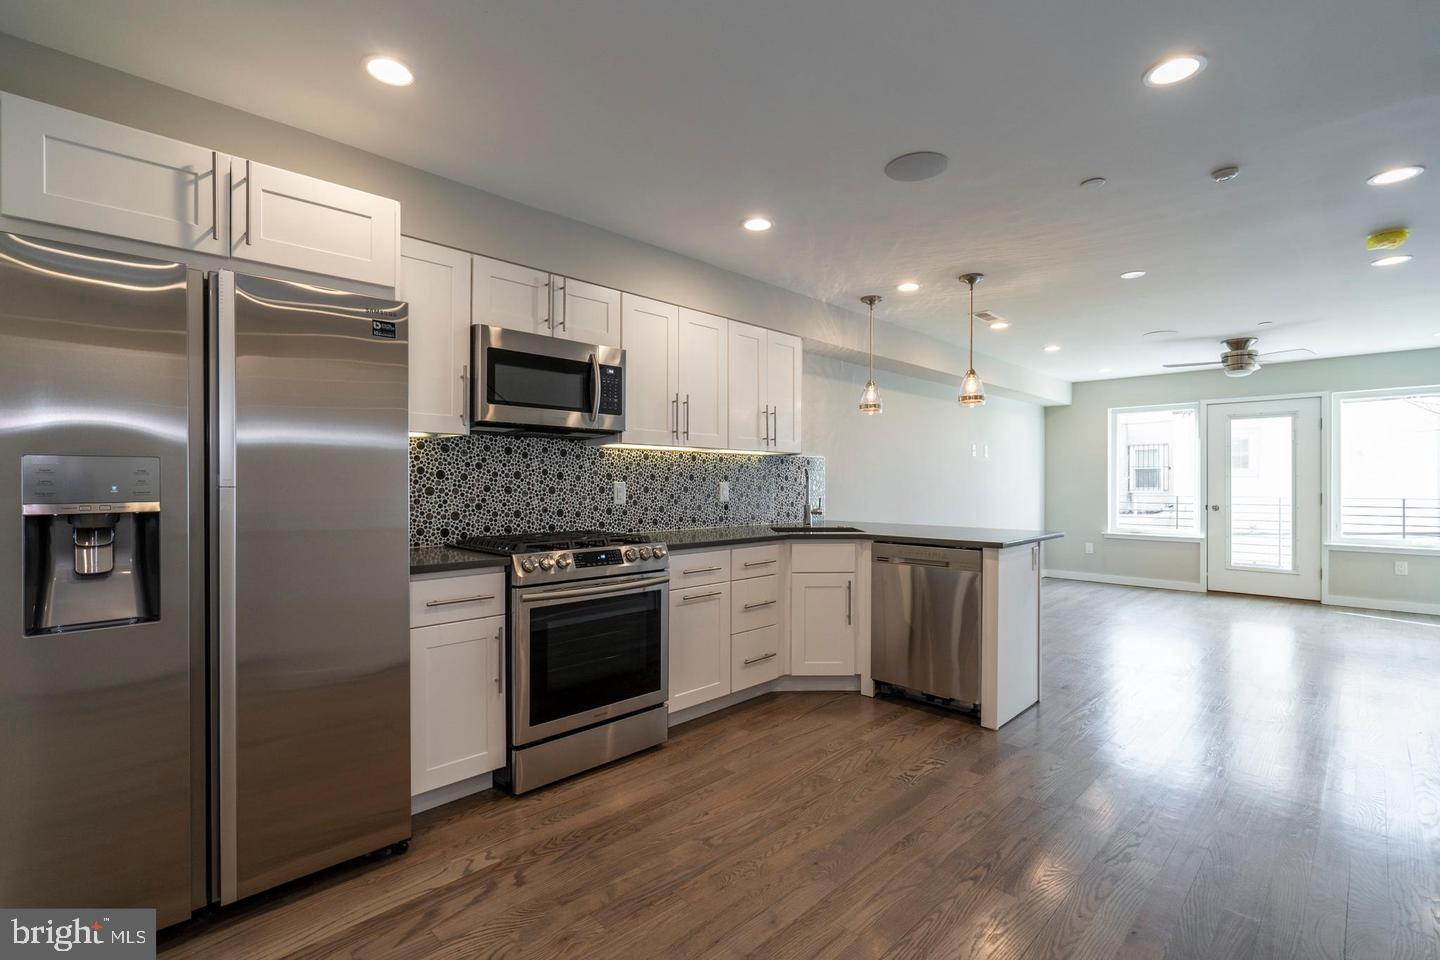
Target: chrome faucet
[{"x": 814, "y": 514}]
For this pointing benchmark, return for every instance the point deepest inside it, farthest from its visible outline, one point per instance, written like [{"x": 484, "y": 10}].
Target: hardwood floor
[{"x": 1207, "y": 776}]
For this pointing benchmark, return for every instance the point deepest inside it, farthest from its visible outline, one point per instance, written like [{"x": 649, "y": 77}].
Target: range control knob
[
  {"x": 562, "y": 561},
  {"x": 660, "y": 550},
  {"x": 644, "y": 553},
  {"x": 528, "y": 564},
  {"x": 630, "y": 554},
  {"x": 547, "y": 562}
]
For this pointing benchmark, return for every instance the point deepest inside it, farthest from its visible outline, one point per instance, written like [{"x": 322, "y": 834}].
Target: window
[
  {"x": 1239, "y": 453},
  {"x": 1388, "y": 467},
  {"x": 1155, "y": 470}
]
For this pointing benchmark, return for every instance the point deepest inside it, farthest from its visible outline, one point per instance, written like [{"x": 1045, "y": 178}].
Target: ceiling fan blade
[
  {"x": 1207, "y": 363},
  {"x": 1276, "y": 353}
]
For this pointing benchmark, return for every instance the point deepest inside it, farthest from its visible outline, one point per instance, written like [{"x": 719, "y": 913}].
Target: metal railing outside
[
  {"x": 1154, "y": 511},
  {"x": 1262, "y": 532},
  {"x": 1391, "y": 518}
]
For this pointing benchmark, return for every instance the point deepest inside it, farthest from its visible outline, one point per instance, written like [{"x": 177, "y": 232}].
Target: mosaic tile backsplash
[{"x": 489, "y": 483}]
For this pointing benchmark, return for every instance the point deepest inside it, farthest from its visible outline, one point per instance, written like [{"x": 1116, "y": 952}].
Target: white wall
[
  {"x": 913, "y": 463},
  {"x": 1075, "y": 469}
]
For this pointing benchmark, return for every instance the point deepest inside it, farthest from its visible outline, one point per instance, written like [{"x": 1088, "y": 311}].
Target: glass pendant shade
[
  {"x": 870, "y": 402},
  {"x": 972, "y": 391}
]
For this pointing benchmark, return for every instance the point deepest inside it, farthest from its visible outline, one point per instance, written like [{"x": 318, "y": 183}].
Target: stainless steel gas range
[{"x": 589, "y": 651}]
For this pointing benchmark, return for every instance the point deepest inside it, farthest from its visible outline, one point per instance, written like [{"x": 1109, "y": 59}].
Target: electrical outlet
[
  {"x": 724, "y": 491},
  {"x": 1402, "y": 568},
  {"x": 1089, "y": 548},
  {"x": 621, "y": 494}
]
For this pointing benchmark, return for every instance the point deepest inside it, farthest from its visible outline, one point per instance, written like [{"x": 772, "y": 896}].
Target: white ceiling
[{"x": 671, "y": 120}]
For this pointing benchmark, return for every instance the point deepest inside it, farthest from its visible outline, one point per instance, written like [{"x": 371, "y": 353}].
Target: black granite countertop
[{"x": 446, "y": 559}]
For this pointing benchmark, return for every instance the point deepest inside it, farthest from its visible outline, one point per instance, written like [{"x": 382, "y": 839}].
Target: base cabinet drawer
[
  {"x": 457, "y": 702},
  {"x": 754, "y": 603},
  {"x": 449, "y": 599},
  {"x": 822, "y": 558},
  {"x": 761, "y": 561},
  {"x": 698, "y": 567},
  {"x": 755, "y": 657}
]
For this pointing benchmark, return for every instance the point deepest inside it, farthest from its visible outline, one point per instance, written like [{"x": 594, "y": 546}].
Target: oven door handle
[
  {"x": 576, "y": 592},
  {"x": 594, "y": 387}
]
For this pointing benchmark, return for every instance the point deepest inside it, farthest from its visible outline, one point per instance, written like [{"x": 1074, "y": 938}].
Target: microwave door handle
[{"x": 594, "y": 387}]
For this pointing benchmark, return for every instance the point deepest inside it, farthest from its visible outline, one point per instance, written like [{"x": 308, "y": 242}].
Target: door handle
[
  {"x": 675, "y": 414},
  {"x": 559, "y": 308},
  {"x": 762, "y": 603},
  {"x": 774, "y": 426},
  {"x": 500, "y": 659},
  {"x": 594, "y": 387},
  {"x": 215, "y": 195},
  {"x": 465, "y": 393},
  {"x": 549, "y": 305},
  {"x": 763, "y": 657},
  {"x": 687, "y": 416},
  {"x": 849, "y": 601},
  {"x": 765, "y": 424},
  {"x": 248, "y": 191},
  {"x": 1215, "y": 507}
]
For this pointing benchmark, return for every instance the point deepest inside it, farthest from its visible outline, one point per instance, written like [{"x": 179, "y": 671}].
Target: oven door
[
  {"x": 586, "y": 653},
  {"x": 524, "y": 380}
]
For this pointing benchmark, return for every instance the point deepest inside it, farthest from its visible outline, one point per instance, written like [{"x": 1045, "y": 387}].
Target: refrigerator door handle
[
  {"x": 229, "y": 871},
  {"x": 225, "y": 376}
]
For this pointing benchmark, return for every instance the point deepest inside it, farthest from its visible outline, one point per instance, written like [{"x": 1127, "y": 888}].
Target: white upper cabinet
[
  {"x": 702, "y": 379},
  {"x": 291, "y": 220},
  {"x": 749, "y": 409},
  {"x": 784, "y": 371},
  {"x": 510, "y": 296},
  {"x": 587, "y": 313},
  {"x": 435, "y": 281},
  {"x": 766, "y": 368},
  {"x": 77, "y": 171},
  {"x": 652, "y": 402}
]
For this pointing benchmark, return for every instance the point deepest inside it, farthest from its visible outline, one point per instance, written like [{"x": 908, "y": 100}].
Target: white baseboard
[
  {"x": 450, "y": 792},
  {"x": 1187, "y": 585},
  {"x": 1376, "y": 603},
  {"x": 778, "y": 685}
]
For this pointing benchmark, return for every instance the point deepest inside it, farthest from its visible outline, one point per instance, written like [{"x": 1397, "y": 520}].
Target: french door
[{"x": 1263, "y": 497}]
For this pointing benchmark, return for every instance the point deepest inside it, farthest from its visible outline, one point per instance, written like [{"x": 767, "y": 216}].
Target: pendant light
[
  {"x": 870, "y": 402},
  {"x": 972, "y": 391}
]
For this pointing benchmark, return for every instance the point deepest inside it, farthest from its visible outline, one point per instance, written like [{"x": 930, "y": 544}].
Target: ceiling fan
[{"x": 1240, "y": 358}]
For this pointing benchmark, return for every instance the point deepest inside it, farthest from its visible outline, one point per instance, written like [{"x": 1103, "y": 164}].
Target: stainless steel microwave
[{"x": 528, "y": 383}]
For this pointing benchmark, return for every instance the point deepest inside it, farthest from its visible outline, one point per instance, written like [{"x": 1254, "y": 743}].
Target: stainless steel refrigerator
[{"x": 203, "y": 615}]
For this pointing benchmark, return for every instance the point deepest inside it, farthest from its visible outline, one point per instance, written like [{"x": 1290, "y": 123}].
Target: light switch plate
[
  {"x": 621, "y": 494},
  {"x": 724, "y": 491},
  {"x": 1402, "y": 568}
]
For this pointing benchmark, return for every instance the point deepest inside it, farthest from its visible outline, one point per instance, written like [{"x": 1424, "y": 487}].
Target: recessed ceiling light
[
  {"x": 999, "y": 324},
  {"x": 1174, "y": 69},
  {"x": 1395, "y": 175},
  {"x": 389, "y": 70},
  {"x": 909, "y": 286},
  {"x": 757, "y": 224},
  {"x": 1052, "y": 348},
  {"x": 1132, "y": 274},
  {"x": 1106, "y": 369},
  {"x": 1394, "y": 260}
]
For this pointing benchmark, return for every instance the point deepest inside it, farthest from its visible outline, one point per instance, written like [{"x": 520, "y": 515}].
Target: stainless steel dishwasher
[{"x": 925, "y": 628}]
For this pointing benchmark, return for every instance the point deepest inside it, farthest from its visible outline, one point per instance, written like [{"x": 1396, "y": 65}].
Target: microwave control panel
[{"x": 612, "y": 390}]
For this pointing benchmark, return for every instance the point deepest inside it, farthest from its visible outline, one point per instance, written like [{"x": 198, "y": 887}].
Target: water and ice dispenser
[{"x": 91, "y": 542}]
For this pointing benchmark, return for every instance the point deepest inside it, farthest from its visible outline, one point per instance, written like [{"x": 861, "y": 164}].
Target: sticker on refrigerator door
[{"x": 385, "y": 329}]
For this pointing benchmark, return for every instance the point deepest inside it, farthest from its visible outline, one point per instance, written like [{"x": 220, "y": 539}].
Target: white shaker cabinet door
[
  {"x": 703, "y": 379},
  {"x": 749, "y": 410},
  {"x": 290, "y": 220},
  {"x": 588, "y": 313},
  {"x": 457, "y": 702},
  {"x": 652, "y": 401},
  {"x": 510, "y": 296},
  {"x": 822, "y": 624},
  {"x": 784, "y": 371},
  {"x": 73, "y": 170},
  {"x": 699, "y": 644},
  {"x": 435, "y": 281}
]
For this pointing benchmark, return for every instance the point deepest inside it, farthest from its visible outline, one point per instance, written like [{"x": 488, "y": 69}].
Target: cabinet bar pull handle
[
  {"x": 701, "y": 596},
  {"x": 774, "y": 426},
  {"x": 701, "y": 570},
  {"x": 687, "y": 416},
  {"x": 675, "y": 412},
  {"x": 757, "y": 563},
  {"x": 762, "y": 657},
  {"x": 849, "y": 601},
  {"x": 465, "y": 394},
  {"x": 249, "y": 188},
  {"x": 765, "y": 424},
  {"x": 762, "y": 603},
  {"x": 500, "y": 659},
  {"x": 446, "y": 603},
  {"x": 215, "y": 195}
]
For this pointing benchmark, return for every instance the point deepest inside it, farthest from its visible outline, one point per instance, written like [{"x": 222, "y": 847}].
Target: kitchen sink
[{"x": 799, "y": 528}]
